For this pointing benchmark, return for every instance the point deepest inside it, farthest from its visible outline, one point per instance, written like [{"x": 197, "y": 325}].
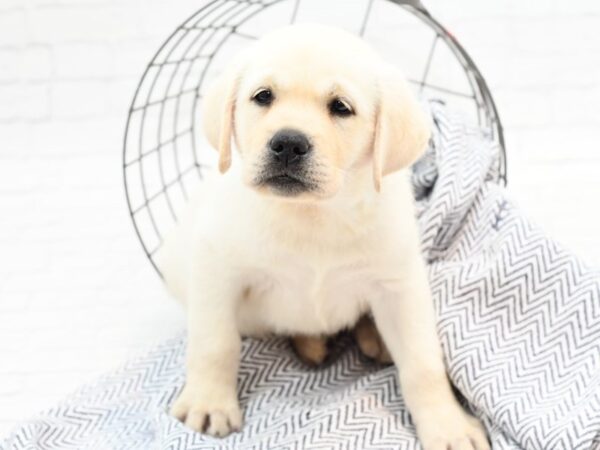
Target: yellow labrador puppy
[{"x": 311, "y": 227}]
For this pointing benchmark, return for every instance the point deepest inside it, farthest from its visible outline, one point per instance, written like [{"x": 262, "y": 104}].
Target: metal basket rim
[{"x": 418, "y": 10}]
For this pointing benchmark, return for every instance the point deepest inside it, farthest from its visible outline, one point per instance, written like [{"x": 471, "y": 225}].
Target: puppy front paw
[
  {"x": 456, "y": 431},
  {"x": 208, "y": 411}
]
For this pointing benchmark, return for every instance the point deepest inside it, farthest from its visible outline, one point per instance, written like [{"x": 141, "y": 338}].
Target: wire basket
[{"x": 165, "y": 153}]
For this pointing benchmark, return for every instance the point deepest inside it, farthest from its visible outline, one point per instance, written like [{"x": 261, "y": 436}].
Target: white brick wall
[{"x": 76, "y": 294}]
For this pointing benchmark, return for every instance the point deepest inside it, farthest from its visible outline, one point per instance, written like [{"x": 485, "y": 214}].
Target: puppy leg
[
  {"x": 369, "y": 341},
  {"x": 208, "y": 401},
  {"x": 311, "y": 349},
  {"x": 405, "y": 317}
]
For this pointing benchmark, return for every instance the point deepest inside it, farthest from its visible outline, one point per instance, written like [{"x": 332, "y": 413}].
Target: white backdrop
[{"x": 76, "y": 294}]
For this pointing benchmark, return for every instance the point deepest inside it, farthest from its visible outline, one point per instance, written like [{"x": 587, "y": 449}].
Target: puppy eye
[
  {"x": 263, "y": 97},
  {"x": 339, "y": 107}
]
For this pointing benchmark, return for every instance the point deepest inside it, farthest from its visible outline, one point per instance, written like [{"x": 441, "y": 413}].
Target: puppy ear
[
  {"x": 401, "y": 127},
  {"x": 218, "y": 108}
]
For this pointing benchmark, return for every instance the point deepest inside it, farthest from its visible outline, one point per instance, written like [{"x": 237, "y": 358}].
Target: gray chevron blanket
[{"x": 518, "y": 315}]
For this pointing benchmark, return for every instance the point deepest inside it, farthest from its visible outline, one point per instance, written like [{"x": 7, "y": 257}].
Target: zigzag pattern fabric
[{"x": 518, "y": 315}]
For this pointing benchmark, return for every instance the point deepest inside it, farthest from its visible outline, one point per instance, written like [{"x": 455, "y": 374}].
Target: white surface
[{"x": 76, "y": 293}]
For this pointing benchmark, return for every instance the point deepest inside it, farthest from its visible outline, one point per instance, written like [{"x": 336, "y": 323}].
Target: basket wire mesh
[{"x": 165, "y": 154}]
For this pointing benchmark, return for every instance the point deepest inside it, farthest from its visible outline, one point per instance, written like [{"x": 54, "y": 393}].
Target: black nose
[{"x": 289, "y": 146}]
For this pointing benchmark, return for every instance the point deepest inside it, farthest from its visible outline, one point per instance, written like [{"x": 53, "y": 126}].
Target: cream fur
[{"x": 245, "y": 261}]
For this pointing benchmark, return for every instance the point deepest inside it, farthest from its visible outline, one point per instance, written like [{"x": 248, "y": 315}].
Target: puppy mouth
[
  {"x": 286, "y": 184},
  {"x": 284, "y": 180}
]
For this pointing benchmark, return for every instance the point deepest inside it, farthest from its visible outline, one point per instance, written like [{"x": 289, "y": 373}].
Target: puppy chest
[{"x": 296, "y": 297}]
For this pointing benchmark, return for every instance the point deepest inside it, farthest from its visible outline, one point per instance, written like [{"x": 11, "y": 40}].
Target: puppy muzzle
[{"x": 287, "y": 163}]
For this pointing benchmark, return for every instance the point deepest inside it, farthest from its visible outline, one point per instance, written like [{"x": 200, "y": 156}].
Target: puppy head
[{"x": 310, "y": 108}]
